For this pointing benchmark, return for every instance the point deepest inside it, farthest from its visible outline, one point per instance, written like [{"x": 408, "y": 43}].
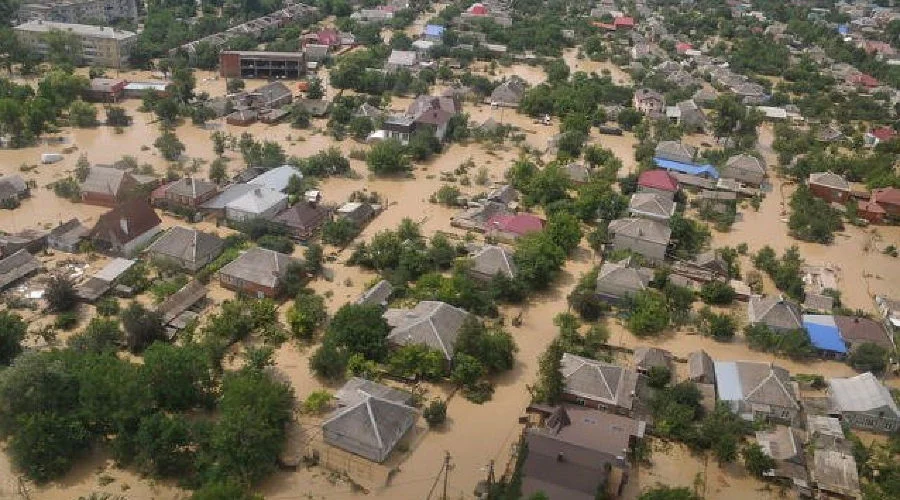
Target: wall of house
[
  {"x": 253, "y": 289},
  {"x": 829, "y": 194},
  {"x": 99, "y": 199},
  {"x": 872, "y": 421}
]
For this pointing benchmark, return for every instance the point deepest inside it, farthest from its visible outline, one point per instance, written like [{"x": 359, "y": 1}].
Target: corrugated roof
[
  {"x": 276, "y": 179},
  {"x": 860, "y": 394},
  {"x": 687, "y": 168}
]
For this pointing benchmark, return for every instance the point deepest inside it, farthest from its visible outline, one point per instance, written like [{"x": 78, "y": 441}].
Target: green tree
[
  {"x": 649, "y": 313},
  {"x": 99, "y": 336},
  {"x": 142, "y": 327},
  {"x": 169, "y": 146},
  {"x": 217, "y": 171},
  {"x": 360, "y": 329},
  {"x": 564, "y": 230},
  {"x": 60, "y": 294},
  {"x": 117, "y": 117},
  {"x": 467, "y": 370},
  {"x": 47, "y": 444},
  {"x": 12, "y": 332},
  {"x": 315, "y": 90},
  {"x": 435, "y": 413},
  {"x": 663, "y": 492},
  {"x": 538, "y": 259},
  {"x": 756, "y": 460},
  {"x": 388, "y": 158},
  {"x": 307, "y": 314},
  {"x": 416, "y": 360},
  {"x": 551, "y": 383},
  {"x": 178, "y": 376},
  {"x": 717, "y": 293},
  {"x": 868, "y": 357},
  {"x": 629, "y": 118},
  {"x": 218, "y": 138},
  {"x": 165, "y": 445}
]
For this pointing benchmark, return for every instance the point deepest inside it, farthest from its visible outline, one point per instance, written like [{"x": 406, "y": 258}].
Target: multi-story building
[
  {"x": 255, "y": 64},
  {"x": 100, "y": 46},
  {"x": 75, "y": 11}
]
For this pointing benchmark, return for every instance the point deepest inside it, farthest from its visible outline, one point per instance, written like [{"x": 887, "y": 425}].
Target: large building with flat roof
[
  {"x": 74, "y": 11},
  {"x": 100, "y": 46},
  {"x": 256, "y": 64}
]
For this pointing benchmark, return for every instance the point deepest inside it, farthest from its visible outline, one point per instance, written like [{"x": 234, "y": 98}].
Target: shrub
[
  {"x": 717, "y": 292},
  {"x": 317, "y": 402},
  {"x": 435, "y": 413},
  {"x": 108, "y": 306},
  {"x": 66, "y": 320}
]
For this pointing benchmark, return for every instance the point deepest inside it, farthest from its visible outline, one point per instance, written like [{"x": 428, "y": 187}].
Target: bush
[
  {"x": 435, "y": 413},
  {"x": 107, "y": 306},
  {"x": 12, "y": 332},
  {"x": 447, "y": 195},
  {"x": 756, "y": 460},
  {"x": 60, "y": 294},
  {"x": 66, "y": 320},
  {"x": 649, "y": 313},
  {"x": 720, "y": 327},
  {"x": 658, "y": 377},
  {"x": 281, "y": 244},
  {"x": 339, "y": 232},
  {"x": 717, "y": 293},
  {"x": 317, "y": 402},
  {"x": 388, "y": 158},
  {"x": 869, "y": 357}
]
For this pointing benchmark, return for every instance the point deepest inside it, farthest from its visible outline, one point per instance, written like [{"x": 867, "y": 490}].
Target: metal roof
[{"x": 824, "y": 333}]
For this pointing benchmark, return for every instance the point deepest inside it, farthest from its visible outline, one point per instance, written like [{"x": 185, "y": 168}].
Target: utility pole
[
  {"x": 490, "y": 478},
  {"x": 446, "y": 472}
]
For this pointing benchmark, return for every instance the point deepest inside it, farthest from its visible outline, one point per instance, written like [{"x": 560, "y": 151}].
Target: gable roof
[
  {"x": 642, "y": 229},
  {"x": 276, "y": 179},
  {"x": 187, "y": 244},
  {"x": 402, "y": 58},
  {"x": 520, "y": 224},
  {"x": 377, "y": 294},
  {"x": 257, "y": 201},
  {"x": 648, "y": 357},
  {"x": 259, "y": 265},
  {"x": 775, "y": 312},
  {"x": 104, "y": 180},
  {"x": 860, "y": 330},
  {"x": 658, "y": 179},
  {"x": 621, "y": 279},
  {"x": 126, "y": 222},
  {"x": 491, "y": 260},
  {"x": 701, "y": 368},
  {"x": 675, "y": 150},
  {"x": 746, "y": 163},
  {"x": 303, "y": 216},
  {"x": 861, "y": 393},
  {"x": 755, "y": 383},
  {"x": 432, "y": 323},
  {"x": 596, "y": 380},
  {"x": 824, "y": 333},
  {"x": 887, "y": 196},
  {"x": 16, "y": 266},
  {"x": 830, "y": 180},
  {"x": 181, "y": 300},
  {"x": 652, "y": 205},
  {"x": 274, "y": 91}
]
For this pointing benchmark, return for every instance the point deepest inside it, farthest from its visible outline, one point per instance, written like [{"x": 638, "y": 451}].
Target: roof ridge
[{"x": 367, "y": 402}]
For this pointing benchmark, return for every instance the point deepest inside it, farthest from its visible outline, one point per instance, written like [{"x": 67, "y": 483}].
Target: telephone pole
[{"x": 446, "y": 472}]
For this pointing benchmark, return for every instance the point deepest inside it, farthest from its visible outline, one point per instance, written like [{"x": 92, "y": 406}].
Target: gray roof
[
  {"x": 190, "y": 187},
  {"x": 14, "y": 183},
  {"x": 187, "y": 244},
  {"x": 643, "y": 229},
  {"x": 755, "y": 383},
  {"x": 503, "y": 194},
  {"x": 676, "y": 151},
  {"x": 701, "y": 368},
  {"x": 273, "y": 91},
  {"x": 835, "y": 471},
  {"x": 746, "y": 163},
  {"x": 230, "y": 194},
  {"x": 599, "y": 381},
  {"x": 378, "y": 294},
  {"x": 181, "y": 300},
  {"x": 862, "y": 393},
  {"x": 276, "y": 179},
  {"x": 491, "y": 260},
  {"x": 829, "y": 179},
  {"x": 105, "y": 180},
  {"x": 371, "y": 426},
  {"x": 781, "y": 443},
  {"x": 17, "y": 266},
  {"x": 358, "y": 388},
  {"x": 648, "y": 357},
  {"x": 652, "y": 205},
  {"x": 577, "y": 172},
  {"x": 402, "y": 58},
  {"x": 257, "y": 201},
  {"x": 620, "y": 279},
  {"x": 69, "y": 232},
  {"x": 259, "y": 265},
  {"x": 432, "y": 323},
  {"x": 775, "y": 312}
]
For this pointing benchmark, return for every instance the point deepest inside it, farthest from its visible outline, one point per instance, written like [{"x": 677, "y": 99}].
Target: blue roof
[
  {"x": 843, "y": 29},
  {"x": 824, "y": 333},
  {"x": 434, "y": 30},
  {"x": 687, "y": 168}
]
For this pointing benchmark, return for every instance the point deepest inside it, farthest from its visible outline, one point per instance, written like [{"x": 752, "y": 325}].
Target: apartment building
[
  {"x": 100, "y": 46},
  {"x": 74, "y": 11}
]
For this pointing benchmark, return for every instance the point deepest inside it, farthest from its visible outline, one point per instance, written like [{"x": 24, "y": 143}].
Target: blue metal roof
[
  {"x": 824, "y": 333},
  {"x": 434, "y": 30},
  {"x": 687, "y": 168},
  {"x": 843, "y": 29}
]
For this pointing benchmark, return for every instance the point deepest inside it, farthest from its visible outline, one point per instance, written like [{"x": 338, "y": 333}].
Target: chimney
[
  {"x": 257, "y": 192},
  {"x": 123, "y": 223},
  {"x": 560, "y": 457}
]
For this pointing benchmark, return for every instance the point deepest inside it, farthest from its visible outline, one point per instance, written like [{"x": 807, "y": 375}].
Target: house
[
  {"x": 174, "y": 308},
  {"x": 378, "y": 294},
  {"x": 687, "y": 114},
  {"x": 599, "y": 385},
  {"x": 16, "y": 267},
  {"x": 359, "y": 213},
  {"x": 504, "y": 194},
  {"x": 647, "y": 237},
  {"x": 187, "y": 248},
  {"x": 401, "y": 59},
  {"x": 476, "y": 218},
  {"x": 701, "y": 369},
  {"x": 825, "y": 335},
  {"x": 107, "y": 186},
  {"x": 126, "y": 228},
  {"x": 576, "y": 452},
  {"x": 649, "y": 102},
  {"x": 878, "y": 135},
  {"x": 399, "y": 127},
  {"x": 712, "y": 262},
  {"x": 433, "y": 32},
  {"x": 675, "y": 151},
  {"x": 509, "y": 93},
  {"x": 431, "y": 323},
  {"x": 651, "y": 206},
  {"x": 577, "y": 172},
  {"x": 775, "y": 312},
  {"x": 434, "y": 113},
  {"x": 303, "y": 219},
  {"x": 830, "y": 187},
  {"x": 257, "y": 271},
  {"x": 864, "y": 403},
  {"x": 92, "y": 288},
  {"x": 682, "y": 47},
  {"x": 646, "y": 358},
  {"x": 105, "y": 90},
  {"x": 864, "y": 81},
  {"x": 276, "y": 179},
  {"x": 745, "y": 168},
  {"x": 12, "y": 189},
  {"x": 660, "y": 182},
  {"x": 271, "y": 95},
  {"x": 258, "y": 203},
  {"x": 67, "y": 236},
  {"x": 888, "y": 199},
  {"x": 189, "y": 192},
  {"x": 490, "y": 261},
  {"x": 785, "y": 445},
  {"x": 619, "y": 280},
  {"x": 242, "y": 117},
  {"x": 623, "y": 22},
  {"x": 755, "y": 390},
  {"x": 509, "y": 227},
  {"x": 370, "y": 420},
  {"x": 834, "y": 474},
  {"x": 697, "y": 170},
  {"x": 857, "y": 330}
]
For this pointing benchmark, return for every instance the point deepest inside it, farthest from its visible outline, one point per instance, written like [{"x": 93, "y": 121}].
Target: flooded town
[{"x": 409, "y": 249}]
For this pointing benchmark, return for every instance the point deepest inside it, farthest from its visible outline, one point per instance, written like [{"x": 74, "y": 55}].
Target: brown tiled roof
[
  {"x": 860, "y": 330},
  {"x": 138, "y": 216}
]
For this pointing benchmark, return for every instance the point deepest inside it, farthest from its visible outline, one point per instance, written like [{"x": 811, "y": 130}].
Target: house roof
[
  {"x": 491, "y": 260},
  {"x": 519, "y": 224},
  {"x": 755, "y": 383},
  {"x": 675, "y": 150},
  {"x": 16, "y": 266},
  {"x": 830, "y": 180},
  {"x": 658, "y": 179},
  {"x": 648, "y": 357},
  {"x": 859, "y": 330},
  {"x": 596, "y": 380},
  {"x": 190, "y": 187},
  {"x": 15, "y": 182},
  {"x": 432, "y": 323},
  {"x": 370, "y": 420},
  {"x": 645, "y": 94},
  {"x": 835, "y": 471},
  {"x": 621, "y": 279},
  {"x": 701, "y": 368},
  {"x": 180, "y": 301},
  {"x": 781, "y": 443},
  {"x": 503, "y": 194},
  {"x": 577, "y": 172},
  {"x": 126, "y": 222},
  {"x": 746, "y": 163},
  {"x": 273, "y": 91},
  {"x": 187, "y": 244},
  {"x": 886, "y": 196},
  {"x": 687, "y": 168},
  {"x": 824, "y": 333},
  {"x": 883, "y": 133},
  {"x": 276, "y": 179},
  {"x": 775, "y": 312},
  {"x": 259, "y": 265},
  {"x": 230, "y": 194},
  {"x": 402, "y": 58},
  {"x": 257, "y": 201},
  {"x": 576, "y": 477},
  {"x": 433, "y": 30},
  {"x": 378, "y": 294},
  {"x": 432, "y": 110},
  {"x": 304, "y": 216},
  {"x": 71, "y": 231},
  {"x": 356, "y": 389},
  {"x": 651, "y": 204},
  {"x": 104, "y": 180},
  {"x": 861, "y": 393},
  {"x": 624, "y": 21},
  {"x": 643, "y": 229}
]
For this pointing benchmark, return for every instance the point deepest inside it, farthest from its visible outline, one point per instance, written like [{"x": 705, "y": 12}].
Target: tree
[
  {"x": 538, "y": 259},
  {"x": 663, "y": 492},
  {"x": 557, "y": 71},
  {"x": 551, "y": 383},
  {"x": 690, "y": 236},
  {"x": 101, "y": 335},
  {"x": 756, "y": 460},
  {"x": 435, "y": 413},
  {"x": 720, "y": 326},
  {"x": 315, "y": 90},
  {"x": 295, "y": 279},
  {"x": 564, "y": 230},
  {"x": 417, "y": 360},
  {"x": 422, "y": 145},
  {"x": 307, "y": 314},
  {"x": 360, "y": 329},
  {"x": 60, "y": 294},
  {"x": 868, "y": 357},
  {"x": 629, "y": 118},
  {"x": 12, "y": 332},
  {"x": 360, "y": 127},
  {"x": 142, "y": 327},
  {"x": 218, "y": 138},
  {"x": 47, "y": 444},
  {"x": 169, "y": 146},
  {"x": 717, "y": 293},
  {"x": 467, "y": 370},
  {"x": 658, "y": 376},
  {"x": 388, "y": 158},
  {"x": 329, "y": 361},
  {"x": 117, "y": 117},
  {"x": 217, "y": 171},
  {"x": 314, "y": 256},
  {"x": 339, "y": 232},
  {"x": 278, "y": 243},
  {"x": 178, "y": 376},
  {"x": 235, "y": 85},
  {"x": 228, "y": 489},
  {"x": 649, "y": 313}
]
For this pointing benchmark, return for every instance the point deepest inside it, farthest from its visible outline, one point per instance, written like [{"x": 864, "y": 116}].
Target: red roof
[
  {"x": 886, "y": 196},
  {"x": 682, "y": 47},
  {"x": 160, "y": 192},
  {"x": 864, "y": 80},
  {"x": 520, "y": 224},
  {"x": 870, "y": 207},
  {"x": 625, "y": 22},
  {"x": 658, "y": 179},
  {"x": 329, "y": 37},
  {"x": 478, "y": 9},
  {"x": 883, "y": 133}
]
